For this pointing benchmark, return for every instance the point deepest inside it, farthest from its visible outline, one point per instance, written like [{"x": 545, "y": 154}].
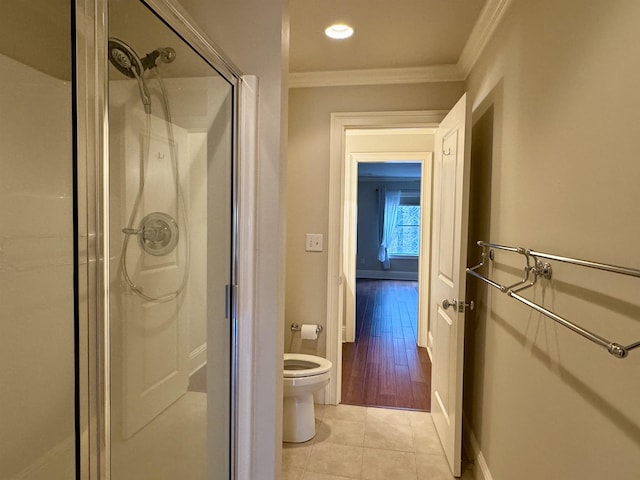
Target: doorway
[
  {"x": 382, "y": 362},
  {"x": 349, "y": 148},
  {"x": 448, "y": 275}
]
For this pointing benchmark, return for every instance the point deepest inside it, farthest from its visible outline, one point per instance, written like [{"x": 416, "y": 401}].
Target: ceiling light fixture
[{"x": 339, "y": 31}]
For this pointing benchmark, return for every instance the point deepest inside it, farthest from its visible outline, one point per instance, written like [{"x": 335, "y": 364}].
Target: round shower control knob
[{"x": 158, "y": 234}]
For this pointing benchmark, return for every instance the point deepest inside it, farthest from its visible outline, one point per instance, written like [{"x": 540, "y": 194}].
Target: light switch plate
[{"x": 313, "y": 242}]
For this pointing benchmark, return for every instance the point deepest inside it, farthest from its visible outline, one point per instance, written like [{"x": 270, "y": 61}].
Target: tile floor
[{"x": 370, "y": 444}]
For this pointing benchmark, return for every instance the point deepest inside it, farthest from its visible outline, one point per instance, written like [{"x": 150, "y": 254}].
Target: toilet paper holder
[{"x": 296, "y": 328}]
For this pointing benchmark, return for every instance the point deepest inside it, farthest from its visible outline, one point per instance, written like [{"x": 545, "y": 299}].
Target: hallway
[{"x": 384, "y": 367}]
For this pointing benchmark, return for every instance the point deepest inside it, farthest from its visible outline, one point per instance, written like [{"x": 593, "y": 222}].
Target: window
[{"x": 406, "y": 238}]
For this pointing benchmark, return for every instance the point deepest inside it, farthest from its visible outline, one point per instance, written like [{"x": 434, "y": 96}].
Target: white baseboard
[
  {"x": 472, "y": 447},
  {"x": 197, "y": 358},
  {"x": 387, "y": 275}
]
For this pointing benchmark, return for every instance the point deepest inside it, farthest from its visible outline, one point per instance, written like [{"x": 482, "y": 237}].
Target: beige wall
[
  {"x": 308, "y": 180},
  {"x": 254, "y": 35},
  {"x": 562, "y": 148}
]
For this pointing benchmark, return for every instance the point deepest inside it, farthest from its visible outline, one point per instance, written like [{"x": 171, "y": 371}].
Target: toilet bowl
[{"x": 303, "y": 376}]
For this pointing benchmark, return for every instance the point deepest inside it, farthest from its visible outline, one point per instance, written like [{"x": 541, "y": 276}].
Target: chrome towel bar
[{"x": 535, "y": 268}]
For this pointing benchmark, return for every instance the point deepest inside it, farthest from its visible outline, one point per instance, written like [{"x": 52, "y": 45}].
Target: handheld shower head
[
  {"x": 124, "y": 58},
  {"x": 126, "y": 61}
]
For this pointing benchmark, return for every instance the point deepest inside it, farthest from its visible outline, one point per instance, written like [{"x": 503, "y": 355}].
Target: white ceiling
[{"x": 388, "y": 33}]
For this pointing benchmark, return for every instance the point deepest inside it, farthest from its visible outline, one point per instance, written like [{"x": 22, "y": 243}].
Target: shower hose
[{"x": 144, "y": 160}]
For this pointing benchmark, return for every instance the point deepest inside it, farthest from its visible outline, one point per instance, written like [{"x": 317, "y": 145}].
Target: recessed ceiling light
[{"x": 339, "y": 31}]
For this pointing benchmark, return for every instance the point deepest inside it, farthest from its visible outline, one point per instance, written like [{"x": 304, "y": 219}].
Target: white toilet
[{"x": 303, "y": 376}]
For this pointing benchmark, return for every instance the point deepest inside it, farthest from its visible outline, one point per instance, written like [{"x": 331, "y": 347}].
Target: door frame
[
  {"x": 340, "y": 123},
  {"x": 350, "y": 229}
]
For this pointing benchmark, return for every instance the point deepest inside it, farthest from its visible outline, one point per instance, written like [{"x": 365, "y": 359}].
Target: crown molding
[
  {"x": 482, "y": 31},
  {"x": 377, "y": 76}
]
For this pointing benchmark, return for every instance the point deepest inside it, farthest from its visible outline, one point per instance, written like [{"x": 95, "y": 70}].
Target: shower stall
[{"x": 119, "y": 240}]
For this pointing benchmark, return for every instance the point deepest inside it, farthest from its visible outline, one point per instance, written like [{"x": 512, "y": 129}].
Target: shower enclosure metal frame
[{"x": 92, "y": 143}]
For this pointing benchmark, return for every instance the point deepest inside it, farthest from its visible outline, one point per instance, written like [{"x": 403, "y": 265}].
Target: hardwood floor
[{"x": 384, "y": 367}]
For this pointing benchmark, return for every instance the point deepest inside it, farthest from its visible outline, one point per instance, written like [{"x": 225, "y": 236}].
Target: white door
[
  {"x": 153, "y": 334},
  {"x": 450, "y": 215}
]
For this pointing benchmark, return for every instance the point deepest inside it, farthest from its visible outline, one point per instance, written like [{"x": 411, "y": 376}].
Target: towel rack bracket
[
  {"x": 543, "y": 269},
  {"x": 617, "y": 350}
]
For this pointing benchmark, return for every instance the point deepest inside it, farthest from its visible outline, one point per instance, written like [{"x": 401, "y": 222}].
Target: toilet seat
[{"x": 302, "y": 365}]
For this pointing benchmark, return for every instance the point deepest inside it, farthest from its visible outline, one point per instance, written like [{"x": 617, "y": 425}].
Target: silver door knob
[
  {"x": 453, "y": 303},
  {"x": 458, "y": 306}
]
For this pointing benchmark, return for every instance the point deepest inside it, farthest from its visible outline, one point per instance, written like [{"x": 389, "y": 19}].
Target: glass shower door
[{"x": 171, "y": 244}]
